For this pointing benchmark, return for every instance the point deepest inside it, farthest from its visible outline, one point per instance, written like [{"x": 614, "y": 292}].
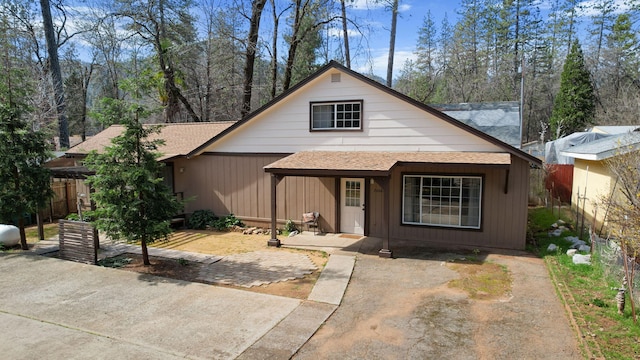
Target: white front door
[{"x": 352, "y": 206}]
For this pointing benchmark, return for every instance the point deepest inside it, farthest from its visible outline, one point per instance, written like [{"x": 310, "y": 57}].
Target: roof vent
[{"x": 335, "y": 77}]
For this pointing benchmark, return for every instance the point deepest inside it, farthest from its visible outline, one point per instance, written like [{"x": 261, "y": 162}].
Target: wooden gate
[
  {"x": 78, "y": 241},
  {"x": 64, "y": 200}
]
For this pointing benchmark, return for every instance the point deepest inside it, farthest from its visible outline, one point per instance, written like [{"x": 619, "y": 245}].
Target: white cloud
[
  {"x": 374, "y": 5},
  {"x": 337, "y": 32},
  {"x": 379, "y": 60},
  {"x": 586, "y": 8}
]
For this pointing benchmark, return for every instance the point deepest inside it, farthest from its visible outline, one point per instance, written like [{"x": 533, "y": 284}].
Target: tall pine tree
[
  {"x": 132, "y": 201},
  {"x": 574, "y": 106}
]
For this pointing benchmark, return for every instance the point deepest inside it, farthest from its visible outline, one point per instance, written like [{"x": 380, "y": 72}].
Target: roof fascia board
[
  {"x": 327, "y": 172},
  {"x": 592, "y": 157}
]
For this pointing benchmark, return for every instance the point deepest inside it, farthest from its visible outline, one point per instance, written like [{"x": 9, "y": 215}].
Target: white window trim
[
  {"x": 335, "y": 121},
  {"x": 460, "y": 215}
]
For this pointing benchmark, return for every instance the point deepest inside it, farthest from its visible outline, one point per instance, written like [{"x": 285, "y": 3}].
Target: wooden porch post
[
  {"x": 274, "y": 241},
  {"x": 385, "y": 252}
]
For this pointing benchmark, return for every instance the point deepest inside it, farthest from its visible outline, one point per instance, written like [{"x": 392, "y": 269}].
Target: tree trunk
[
  {"x": 145, "y": 252},
  {"x": 293, "y": 46},
  {"x": 85, "y": 88},
  {"x": 56, "y": 74},
  {"x": 392, "y": 42},
  {"x": 252, "y": 44},
  {"x": 23, "y": 235},
  {"x": 274, "y": 50},
  {"x": 345, "y": 32}
]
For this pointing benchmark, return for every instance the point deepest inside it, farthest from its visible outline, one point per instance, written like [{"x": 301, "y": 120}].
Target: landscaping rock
[
  {"x": 572, "y": 252},
  {"x": 584, "y": 248},
  {"x": 575, "y": 241},
  {"x": 556, "y": 232},
  {"x": 9, "y": 235},
  {"x": 293, "y": 233},
  {"x": 552, "y": 247},
  {"x": 249, "y": 231},
  {"x": 581, "y": 259}
]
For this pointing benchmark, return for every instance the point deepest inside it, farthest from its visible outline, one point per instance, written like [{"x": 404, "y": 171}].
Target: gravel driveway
[{"x": 403, "y": 309}]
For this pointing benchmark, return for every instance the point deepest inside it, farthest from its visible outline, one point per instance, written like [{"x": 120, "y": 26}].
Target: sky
[
  {"x": 370, "y": 48},
  {"x": 410, "y": 19},
  {"x": 411, "y": 15}
]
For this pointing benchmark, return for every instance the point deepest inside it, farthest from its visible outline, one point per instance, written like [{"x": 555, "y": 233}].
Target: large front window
[
  {"x": 336, "y": 116},
  {"x": 449, "y": 201}
]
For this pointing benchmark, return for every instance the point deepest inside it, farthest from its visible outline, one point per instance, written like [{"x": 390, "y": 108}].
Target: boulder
[
  {"x": 584, "y": 248},
  {"x": 556, "y": 232},
  {"x": 575, "y": 241},
  {"x": 552, "y": 247},
  {"x": 9, "y": 235},
  {"x": 571, "y": 252},
  {"x": 582, "y": 259}
]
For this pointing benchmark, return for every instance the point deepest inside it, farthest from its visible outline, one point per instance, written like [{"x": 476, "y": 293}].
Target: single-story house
[
  {"x": 369, "y": 159},
  {"x": 592, "y": 178}
]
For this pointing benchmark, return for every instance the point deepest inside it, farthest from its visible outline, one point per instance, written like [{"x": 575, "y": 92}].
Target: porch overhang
[
  {"x": 71, "y": 172},
  {"x": 376, "y": 163},
  {"x": 372, "y": 164}
]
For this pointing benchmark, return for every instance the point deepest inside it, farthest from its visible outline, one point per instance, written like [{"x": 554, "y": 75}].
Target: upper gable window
[{"x": 343, "y": 115}]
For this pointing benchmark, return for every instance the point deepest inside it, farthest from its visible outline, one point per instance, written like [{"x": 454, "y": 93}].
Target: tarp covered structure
[{"x": 552, "y": 149}]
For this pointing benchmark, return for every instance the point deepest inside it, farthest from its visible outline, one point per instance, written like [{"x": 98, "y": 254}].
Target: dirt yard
[{"x": 220, "y": 243}]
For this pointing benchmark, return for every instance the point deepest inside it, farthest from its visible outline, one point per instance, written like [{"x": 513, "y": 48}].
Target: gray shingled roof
[
  {"x": 498, "y": 119},
  {"x": 605, "y": 148}
]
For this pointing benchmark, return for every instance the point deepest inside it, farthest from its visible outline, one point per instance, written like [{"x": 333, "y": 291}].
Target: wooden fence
[
  {"x": 78, "y": 241},
  {"x": 560, "y": 181},
  {"x": 64, "y": 200}
]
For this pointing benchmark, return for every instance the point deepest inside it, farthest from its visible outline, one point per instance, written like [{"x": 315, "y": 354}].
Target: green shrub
[
  {"x": 200, "y": 219},
  {"x": 290, "y": 226},
  {"x": 73, "y": 217},
  {"x": 86, "y": 217},
  {"x": 227, "y": 222}
]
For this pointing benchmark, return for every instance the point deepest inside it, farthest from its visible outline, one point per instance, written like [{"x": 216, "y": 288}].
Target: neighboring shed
[
  {"x": 592, "y": 176},
  {"x": 560, "y": 168}
]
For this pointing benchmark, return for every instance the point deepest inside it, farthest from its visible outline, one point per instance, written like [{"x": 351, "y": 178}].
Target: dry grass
[
  {"x": 227, "y": 243},
  {"x": 481, "y": 280},
  {"x": 214, "y": 242}
]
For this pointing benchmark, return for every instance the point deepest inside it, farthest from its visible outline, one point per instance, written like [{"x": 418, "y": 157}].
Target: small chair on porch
[{"x": 310, "y": 219}]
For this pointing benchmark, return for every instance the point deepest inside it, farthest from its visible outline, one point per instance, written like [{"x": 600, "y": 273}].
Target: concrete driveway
[
  {"x": 403, "y": 308},
  {"x": 396, "y": 308},
  {"x": 57, "y": 309}
]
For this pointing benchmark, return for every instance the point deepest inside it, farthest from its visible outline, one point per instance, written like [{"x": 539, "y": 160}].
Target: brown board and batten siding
[
  {"x": 237, "y": 184},
  {"x": 504, "y": 216}
]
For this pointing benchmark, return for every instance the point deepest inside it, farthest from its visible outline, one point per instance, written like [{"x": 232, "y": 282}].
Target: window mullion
[{"x": 460, "y": 203}]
